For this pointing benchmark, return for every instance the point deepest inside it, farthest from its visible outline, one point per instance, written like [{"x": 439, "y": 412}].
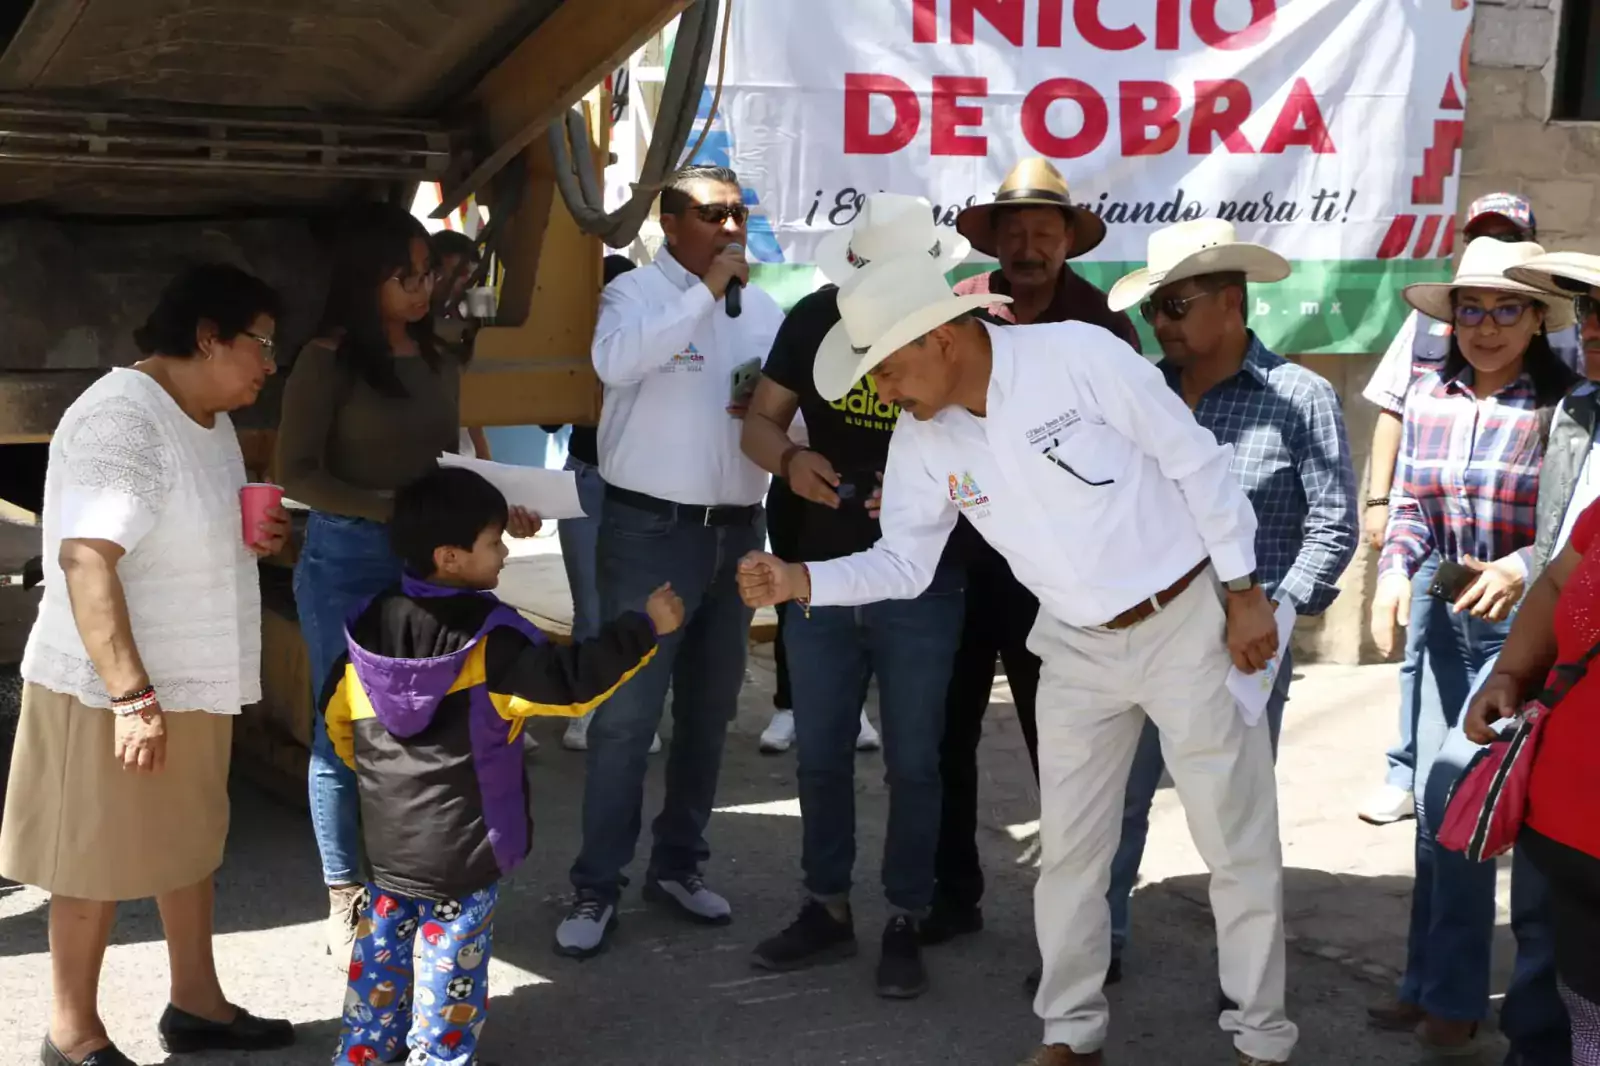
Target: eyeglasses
[
  {"x": 416, "y": 282},
  {"x": 269, "y": 347},
  {"x": 1173, "y": 308},
  {"x": 1585, "y": 307},
  {"x": 717, "y": 214},
  {"x": 1504, "y": 315}
]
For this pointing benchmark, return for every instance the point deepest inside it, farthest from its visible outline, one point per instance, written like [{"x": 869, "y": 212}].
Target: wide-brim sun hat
[
  {"x": 883, "y": 307},
  {"x": 1193, "y": 250},
  {"x": 1032, "y": 183},
  {"x": 1484, "y": 265},
  {"x": 890, "y": 226},
  {"x": 1547, "y": 272}
]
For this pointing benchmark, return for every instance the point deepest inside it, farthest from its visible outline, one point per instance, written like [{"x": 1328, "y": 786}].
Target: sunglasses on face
[
  {"x": 717, "y": 214},
  {"x": 1504, "y": 315},
  {"x": 1585, "y": 307},
  {"x": 1172, "y": 308}
]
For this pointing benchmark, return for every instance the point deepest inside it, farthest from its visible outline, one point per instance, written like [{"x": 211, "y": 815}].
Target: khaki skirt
[{"x": 77, "y": 824}]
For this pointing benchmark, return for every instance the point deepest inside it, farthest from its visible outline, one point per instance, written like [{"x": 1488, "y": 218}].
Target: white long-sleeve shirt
[
  {"x": 1149, "y": 494},
  {"x": 666, "y": 351}
]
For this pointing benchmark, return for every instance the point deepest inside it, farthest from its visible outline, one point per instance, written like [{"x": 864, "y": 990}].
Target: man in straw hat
[
  {"x": 1033, "y": 228},
  {"x": 1120, "y": 512},
  {"x": 1290, "y": 453},
  {"x": 1420, "y": 347},
  {"x": 832, "y": 651}
]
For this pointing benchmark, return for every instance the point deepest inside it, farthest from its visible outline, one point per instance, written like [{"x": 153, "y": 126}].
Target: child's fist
[{"x": 665, "y": 610}]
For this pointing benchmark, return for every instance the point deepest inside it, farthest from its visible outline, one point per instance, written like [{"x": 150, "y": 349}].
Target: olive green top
[{"x": 344, "y": 447}]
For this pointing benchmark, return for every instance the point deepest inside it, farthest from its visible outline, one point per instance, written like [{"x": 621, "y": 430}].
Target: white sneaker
[
  {"x": 576, "y": 738},
  {"x": 586, "y": 928},
  {"x": 867, "y": 739},
  {"x": 1388, "y": 805},
  {"x": 778, "y": 737}
]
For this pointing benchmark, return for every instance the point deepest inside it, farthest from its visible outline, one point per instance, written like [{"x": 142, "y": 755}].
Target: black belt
[{"x": 688, "y": 514}]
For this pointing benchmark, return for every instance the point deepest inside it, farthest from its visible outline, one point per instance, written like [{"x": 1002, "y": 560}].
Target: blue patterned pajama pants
[{"x": 419, "y": 980}]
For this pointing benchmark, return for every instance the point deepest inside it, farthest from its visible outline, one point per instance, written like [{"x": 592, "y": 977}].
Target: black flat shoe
[
  {"x": 182, "y": 1033},
  {"x": 50, "y": 1055}
]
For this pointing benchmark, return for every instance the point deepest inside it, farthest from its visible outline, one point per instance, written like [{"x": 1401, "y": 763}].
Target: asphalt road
[{"x": 673, "y": 994}]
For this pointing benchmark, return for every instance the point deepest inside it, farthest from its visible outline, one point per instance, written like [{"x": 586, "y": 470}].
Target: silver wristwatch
[{"x": 1242, "y": 584}]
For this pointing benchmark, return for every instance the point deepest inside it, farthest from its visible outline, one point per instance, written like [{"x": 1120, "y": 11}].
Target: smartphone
[
  {"x": 1452, "y": 581},
  {"x": 743, "y": 383}
]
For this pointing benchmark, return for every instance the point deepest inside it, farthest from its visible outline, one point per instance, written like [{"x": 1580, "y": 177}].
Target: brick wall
[{"x": 1510, "y": 143}]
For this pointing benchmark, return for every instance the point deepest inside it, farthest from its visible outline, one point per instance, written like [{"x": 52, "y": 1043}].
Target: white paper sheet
[
  {"x": 547, "y": 493},
  {"x": 1253, "y": 691}
]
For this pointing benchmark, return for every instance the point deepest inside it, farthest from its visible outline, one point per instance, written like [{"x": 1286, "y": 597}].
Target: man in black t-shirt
[{"x": 908, "y": 645}]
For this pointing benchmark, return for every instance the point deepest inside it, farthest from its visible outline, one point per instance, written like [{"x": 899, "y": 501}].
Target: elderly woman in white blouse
[{"x": 147, "y": 644}]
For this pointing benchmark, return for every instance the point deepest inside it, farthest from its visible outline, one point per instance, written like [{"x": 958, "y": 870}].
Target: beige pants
[{"x": 1093, "y": 687}]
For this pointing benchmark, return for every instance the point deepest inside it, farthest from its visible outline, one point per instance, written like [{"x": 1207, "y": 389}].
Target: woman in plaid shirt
[{"x": 1465, "y": 490}]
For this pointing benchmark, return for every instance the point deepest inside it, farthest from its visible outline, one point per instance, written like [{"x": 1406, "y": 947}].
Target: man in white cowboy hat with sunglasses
[
  {"x": 1291, "y": 453},
  {"x": 907, "y": 644},
  {"x": 1071, "y": 455}
]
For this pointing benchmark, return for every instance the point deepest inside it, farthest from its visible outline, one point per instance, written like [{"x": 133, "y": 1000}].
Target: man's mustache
[{"x": 1030, "y": 264}]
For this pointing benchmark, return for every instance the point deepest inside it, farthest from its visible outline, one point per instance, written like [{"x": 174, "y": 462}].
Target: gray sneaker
[
  {"x": 690, "y": 897},
  {"x": 586, "y": 928}
]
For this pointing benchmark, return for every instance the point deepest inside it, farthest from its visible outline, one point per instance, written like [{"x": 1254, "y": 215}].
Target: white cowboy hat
[
  {"x": 888, "y": 227},
  {"x": 883, "y": 307},
  {"x": 1483, "y": 266},
  {"x": 1033, "y": 182},
  {"x": 1561, "y": 273},
  {"x": 1195, "y": 249}
]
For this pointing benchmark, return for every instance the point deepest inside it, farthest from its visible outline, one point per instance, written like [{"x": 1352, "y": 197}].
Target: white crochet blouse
[{"x": 127, "y": 465}]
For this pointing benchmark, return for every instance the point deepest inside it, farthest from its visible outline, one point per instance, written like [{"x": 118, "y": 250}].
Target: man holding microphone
[
  {"x": 1120, "y": 512},
  {"x": 677, "y": 346}
]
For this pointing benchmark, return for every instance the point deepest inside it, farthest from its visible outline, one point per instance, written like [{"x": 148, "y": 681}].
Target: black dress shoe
[
  {"x": 50, "y": 1055},
  {"x": 946, "y": 921},
  {"x": 182, "y": 1033}
]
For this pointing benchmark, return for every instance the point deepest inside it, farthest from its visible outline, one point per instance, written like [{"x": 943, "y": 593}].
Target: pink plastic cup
[{"x": 255, "y": 500}]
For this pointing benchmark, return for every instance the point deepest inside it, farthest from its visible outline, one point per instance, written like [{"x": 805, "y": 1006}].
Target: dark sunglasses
[
  {"x": 717, "y": 214},
  {"x": 1585, "y": 307},
  {"x": 1171, "y": 307},
  {"x": 1504, "y": 315}
]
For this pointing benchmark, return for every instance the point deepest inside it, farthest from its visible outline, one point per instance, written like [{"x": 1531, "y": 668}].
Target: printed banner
[{"x": 1329, "y": 130}]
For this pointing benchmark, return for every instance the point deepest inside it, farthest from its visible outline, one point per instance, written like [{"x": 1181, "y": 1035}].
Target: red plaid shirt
[{"x": 1467, "y": 482}]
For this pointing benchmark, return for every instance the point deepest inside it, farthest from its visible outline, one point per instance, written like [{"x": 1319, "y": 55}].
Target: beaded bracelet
[{"x": 135, "y": 702}]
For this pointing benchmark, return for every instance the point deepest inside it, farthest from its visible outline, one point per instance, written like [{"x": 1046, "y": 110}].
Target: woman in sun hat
[
  {"x": 1466, "y": 487},
  {"x": 1557, "y": 623}
]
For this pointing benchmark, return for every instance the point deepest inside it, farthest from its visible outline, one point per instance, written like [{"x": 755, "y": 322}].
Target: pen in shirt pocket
[{"x": 1050, "y": 454}]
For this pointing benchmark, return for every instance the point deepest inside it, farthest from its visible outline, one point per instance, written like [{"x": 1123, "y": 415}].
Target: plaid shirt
[
  {"x": 1467, "y": 483},
  {"x": 1292, "y": 456}
]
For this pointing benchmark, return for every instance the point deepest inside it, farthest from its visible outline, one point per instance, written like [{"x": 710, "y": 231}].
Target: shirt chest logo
[
  {"x": 965, "y": 494},
  {"x": 690, "y": 359},
  {"x": 1051, "y": 430},
  {"x": 861, "y": 407}
]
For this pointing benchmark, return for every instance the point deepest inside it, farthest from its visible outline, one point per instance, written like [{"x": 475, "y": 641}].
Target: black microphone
[{"x": 734, "y": 298}]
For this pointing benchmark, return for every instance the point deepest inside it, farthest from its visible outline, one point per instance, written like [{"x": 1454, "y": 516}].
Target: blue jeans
[
  {"x": 1144, "y": 778},
  {"x": 909, "y": 645},
  {"x": 580, "y": 544},
  {"x": 344, "y": 563},
  {"x": 1450, "y": 940},
  {"x": 1532, "y": 1015},
  {"x": 704, "y": 662},
  {"x": 1403, "y": 756}
]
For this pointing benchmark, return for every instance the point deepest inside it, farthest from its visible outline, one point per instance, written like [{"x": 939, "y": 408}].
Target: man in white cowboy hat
[
  {"x": 1420, "y": 347},
  {"x": 1034, "y": 229},
  {"x": 1291, "y": 454},
  {"x": 1120, "y": 512},
  {"x": 908, "y": 645}
]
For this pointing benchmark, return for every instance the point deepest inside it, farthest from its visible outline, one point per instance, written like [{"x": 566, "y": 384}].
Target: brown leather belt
[{"x": 1144, "y": 609}]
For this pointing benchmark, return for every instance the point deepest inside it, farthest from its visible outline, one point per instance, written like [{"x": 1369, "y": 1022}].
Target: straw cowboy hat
[
  {"x": 1034, "y": 183},
  {"x": 889, "y": 226},
  {"x": 1483, "y": 266},
  {"x": 1192, "y": 250},
  {"x": 1560, "y": 273},
  {"x": 882, "y": 308}
]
